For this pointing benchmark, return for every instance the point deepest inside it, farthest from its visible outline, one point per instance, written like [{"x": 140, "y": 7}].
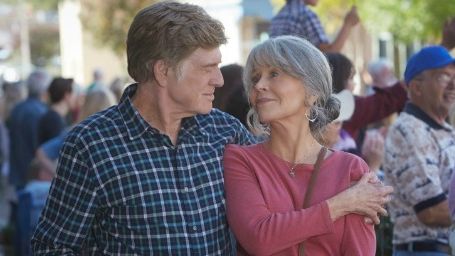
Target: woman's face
[{"x": 277, "y": 96}]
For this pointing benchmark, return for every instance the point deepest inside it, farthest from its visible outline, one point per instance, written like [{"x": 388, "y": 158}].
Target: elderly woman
[{"x": 289, "y": 194}]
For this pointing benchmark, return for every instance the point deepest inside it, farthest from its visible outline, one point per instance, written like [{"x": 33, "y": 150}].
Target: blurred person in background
[
  {"x": 61, "y": 99},
  {"x": 117, "y": 87},
  {"x": 335, "y": 137},
  {"x": 420, "y": 156},
  {"x": 382, "y": 74},
  {"x": 98, "y": 80},
  {"x": 231, "y": 97},
  {"x": 297, "y": 19},
  {"x": 13, "y": 93},
  {"x": 368, "y": 109},
  {"x": 23, "y": 127},
  {"x": 95, "y": 101}
]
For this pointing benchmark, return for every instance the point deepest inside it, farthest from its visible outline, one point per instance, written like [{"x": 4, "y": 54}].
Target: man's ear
[
  {"x": 160, "y": 70},
  {"x": 415, "y": 88}
]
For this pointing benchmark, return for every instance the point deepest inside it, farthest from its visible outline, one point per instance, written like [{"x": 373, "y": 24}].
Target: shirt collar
[
  {"x": 418, "y": 113},
  {"x": 136, "y": 125}
]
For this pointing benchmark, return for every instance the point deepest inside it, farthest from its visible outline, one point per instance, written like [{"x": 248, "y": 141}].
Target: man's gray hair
[
  {"x": 300, "y": 59},
  {"x": 37, "y": 82},
  {"x": 375, "y": 67}
]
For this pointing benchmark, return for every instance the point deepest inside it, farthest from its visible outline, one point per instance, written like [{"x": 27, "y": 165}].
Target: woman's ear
[{"x": 312, "y": 99}]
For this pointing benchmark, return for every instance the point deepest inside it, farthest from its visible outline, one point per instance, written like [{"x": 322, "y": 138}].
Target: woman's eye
[{"x": 274, "y": 74}]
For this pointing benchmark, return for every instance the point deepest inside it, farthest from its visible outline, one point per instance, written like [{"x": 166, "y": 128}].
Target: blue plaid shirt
[
  {"x": 296, "y": 19},
  {"x": 122, "y": 187}
]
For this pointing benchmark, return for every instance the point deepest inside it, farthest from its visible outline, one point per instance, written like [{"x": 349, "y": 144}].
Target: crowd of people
[{"x": 277, "y": 157}]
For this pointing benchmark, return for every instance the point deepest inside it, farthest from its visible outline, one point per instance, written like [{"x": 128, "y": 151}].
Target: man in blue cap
[{"x": 420, "y": 156}]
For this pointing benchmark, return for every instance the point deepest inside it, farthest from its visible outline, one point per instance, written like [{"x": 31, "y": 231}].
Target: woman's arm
[
  {"x": 367, "y": 197},
  {"x": 358, "y": 237}
]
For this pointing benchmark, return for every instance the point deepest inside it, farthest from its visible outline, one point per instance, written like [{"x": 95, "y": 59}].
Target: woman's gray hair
[{"x": 300, "y": 59}]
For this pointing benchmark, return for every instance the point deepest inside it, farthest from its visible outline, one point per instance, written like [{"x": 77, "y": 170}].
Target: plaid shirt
[
  {"x": 122, "y": 188},
  {"x": 296, "y": 19}
]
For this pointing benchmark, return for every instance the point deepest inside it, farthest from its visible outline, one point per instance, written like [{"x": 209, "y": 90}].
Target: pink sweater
[{"x": 264, "y": 205}]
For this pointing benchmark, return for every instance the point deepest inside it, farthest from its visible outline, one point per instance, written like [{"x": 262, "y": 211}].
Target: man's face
[
  {"x": 438, "y": 90},
  {"x": 194, "y": 81}
]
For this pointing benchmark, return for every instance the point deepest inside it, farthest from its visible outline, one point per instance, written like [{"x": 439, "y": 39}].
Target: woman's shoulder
[{"x": 242, "y": 149}]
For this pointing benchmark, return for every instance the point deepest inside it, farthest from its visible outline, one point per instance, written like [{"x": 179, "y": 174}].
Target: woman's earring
[{"x": 312, "y": 119}]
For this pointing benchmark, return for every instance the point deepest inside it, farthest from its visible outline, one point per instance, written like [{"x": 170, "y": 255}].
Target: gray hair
[
  {"x": 37, "y": 82},
  {"x": 375, "y": 67},
  {"x": 300, "y": 59}
]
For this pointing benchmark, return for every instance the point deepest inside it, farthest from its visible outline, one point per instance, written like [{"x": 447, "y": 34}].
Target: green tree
[
  {"x": 44, "y": 44},
  {"x": 108, "y": 20},
  {"x": 407, "y": 20}
]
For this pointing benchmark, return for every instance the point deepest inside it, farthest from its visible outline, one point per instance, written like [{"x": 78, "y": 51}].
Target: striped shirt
[
  {"x": 122, "y": 187},
  {"x": 296, "y": 19}
]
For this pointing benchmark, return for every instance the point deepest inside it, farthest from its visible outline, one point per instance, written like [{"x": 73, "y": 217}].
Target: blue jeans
[{"x": 406, "y": 253}]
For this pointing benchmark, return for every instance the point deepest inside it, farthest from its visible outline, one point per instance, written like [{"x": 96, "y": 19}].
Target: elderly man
[{"x": 420, "y": 156}]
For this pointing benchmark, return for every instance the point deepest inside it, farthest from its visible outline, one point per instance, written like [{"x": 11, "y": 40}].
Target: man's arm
[
  {"x": 434, "y": 213},
  {"x": 448, "y": 34},
  {"x": 70, "y": 207},
  {"x": 350, "y": 20}
]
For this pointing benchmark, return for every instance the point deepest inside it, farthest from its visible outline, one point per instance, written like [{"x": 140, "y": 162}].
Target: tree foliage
[
  {"x": 407, "y": 20},
  {"x": 39, "y": 4},
  {"x": 45, "y": 44},
  {"x": 109, "y": 20}
]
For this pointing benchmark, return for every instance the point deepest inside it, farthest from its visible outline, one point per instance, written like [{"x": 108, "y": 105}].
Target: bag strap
[{"x": 311, "y": 184}]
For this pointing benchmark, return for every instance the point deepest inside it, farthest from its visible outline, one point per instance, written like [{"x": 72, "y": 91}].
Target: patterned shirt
[
  {"x": 296, "y": 19},
  {"x": 122, "y": 187},
  {"x": 419, "y": 161}
]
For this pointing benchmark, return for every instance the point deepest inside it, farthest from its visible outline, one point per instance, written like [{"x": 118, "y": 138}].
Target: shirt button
[
  {"x": 186, "y": 189},
  {"x": 194, "y": 228}
]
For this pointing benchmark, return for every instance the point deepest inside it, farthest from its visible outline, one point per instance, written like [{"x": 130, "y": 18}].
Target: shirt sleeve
[
  {"x": 312, "y": 29},
  {"x": 373, "y": 108},
  {"x": 71, "y": 205},
  {"x": 359, "y": 238},
  {"x": 257, "y": 229},
  {"x": 411, "y": 164},
  {"x": 243, "y": 136}
]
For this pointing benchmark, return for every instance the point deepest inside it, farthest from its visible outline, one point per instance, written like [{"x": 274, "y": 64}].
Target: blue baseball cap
[{"x": 430, "y": 57}]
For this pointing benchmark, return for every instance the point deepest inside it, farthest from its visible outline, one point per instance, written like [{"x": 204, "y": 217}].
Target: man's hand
[{"x": 352, "y": 17}]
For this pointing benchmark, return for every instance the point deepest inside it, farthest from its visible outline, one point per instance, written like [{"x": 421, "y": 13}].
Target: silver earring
[{"x": 311, "y": 119}]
